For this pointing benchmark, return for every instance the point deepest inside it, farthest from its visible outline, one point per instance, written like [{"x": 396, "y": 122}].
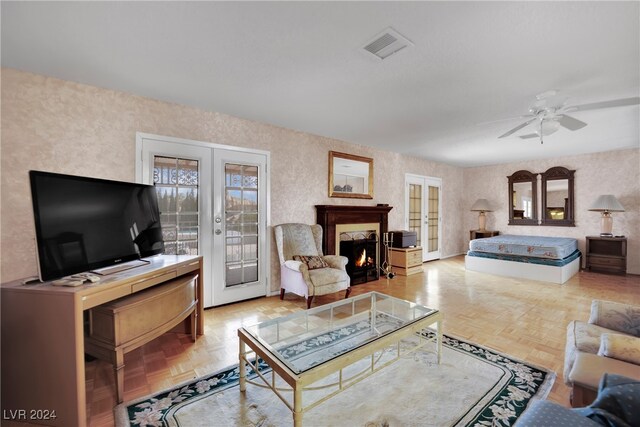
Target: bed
[{"x": 550, "y": 259}]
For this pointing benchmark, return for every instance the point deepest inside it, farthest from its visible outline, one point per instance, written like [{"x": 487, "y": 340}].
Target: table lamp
[
  {"x": 482, "y": 206},
  {"x": 606, "y": 204}
]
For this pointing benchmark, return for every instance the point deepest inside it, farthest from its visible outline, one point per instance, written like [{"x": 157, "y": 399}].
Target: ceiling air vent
[{"x": 387, "y": 43}]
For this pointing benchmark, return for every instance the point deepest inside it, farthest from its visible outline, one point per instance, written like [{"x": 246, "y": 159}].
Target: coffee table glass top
[{"x": 309, "y": 338}]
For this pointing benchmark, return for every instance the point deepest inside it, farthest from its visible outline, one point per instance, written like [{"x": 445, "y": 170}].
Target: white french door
[
  {"x": 213, "y": 202},
  {"x": 239, "y": 237},
  {"x": 423, "y": 213}
]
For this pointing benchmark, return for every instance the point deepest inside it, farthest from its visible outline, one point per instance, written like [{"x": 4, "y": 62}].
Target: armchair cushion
[
  {"x": 617, "y": 316},
  {"x": 328, "y": 276},
  {"x": 328, "y": 281},
  {"x": 312, "y": 262},
  {"x": 621, "y": 347}
]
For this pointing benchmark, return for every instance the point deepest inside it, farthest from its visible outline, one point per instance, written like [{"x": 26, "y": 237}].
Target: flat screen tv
[{"x": 83, "y": 224}]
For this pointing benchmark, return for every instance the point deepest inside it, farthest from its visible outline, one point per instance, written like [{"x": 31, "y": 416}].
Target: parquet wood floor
[{"x": 523, "y": 318}]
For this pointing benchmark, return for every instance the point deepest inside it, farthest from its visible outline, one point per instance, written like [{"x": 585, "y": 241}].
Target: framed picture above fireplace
[{"x": 350, "y": 176}]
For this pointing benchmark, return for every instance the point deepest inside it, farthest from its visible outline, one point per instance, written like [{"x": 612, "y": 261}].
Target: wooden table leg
[
  {"x": 194, "y": 325},
  {"x": 241, "y": 366},
  {"x": 118, "y": 367}
]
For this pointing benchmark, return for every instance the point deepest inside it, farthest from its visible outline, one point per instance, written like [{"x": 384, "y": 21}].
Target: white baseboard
[{"x": 454, "y": 255}]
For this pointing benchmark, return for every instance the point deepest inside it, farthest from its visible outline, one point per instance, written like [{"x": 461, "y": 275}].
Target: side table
[
  {"x": 481, "y": 234},
  {"x": 406, "y": 261},
  {"x": 606, "y": 254}
]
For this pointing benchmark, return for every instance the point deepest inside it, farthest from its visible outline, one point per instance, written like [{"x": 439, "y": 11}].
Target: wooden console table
[{"x": 43, "y": 337}]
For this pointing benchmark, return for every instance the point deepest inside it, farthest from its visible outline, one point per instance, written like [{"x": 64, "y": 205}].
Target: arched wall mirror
[
  {"x": 557, "y": 197},
  {"x": 523, "y": 198}
]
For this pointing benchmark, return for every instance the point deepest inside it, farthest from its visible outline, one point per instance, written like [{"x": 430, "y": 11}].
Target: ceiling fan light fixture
[
  {"x": 547, "y": 127},
  {"x": 549, "y": 110}
]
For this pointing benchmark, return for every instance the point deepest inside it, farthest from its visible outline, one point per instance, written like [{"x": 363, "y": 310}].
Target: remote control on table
[
  {"x": 93, "y": 278},
  {"x": 68, "y": 282}
]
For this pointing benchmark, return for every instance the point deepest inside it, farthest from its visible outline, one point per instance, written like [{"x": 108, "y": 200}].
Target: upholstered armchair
[
  {"x": 608, "y": 343},
  {"x": 305, "y": 271}
]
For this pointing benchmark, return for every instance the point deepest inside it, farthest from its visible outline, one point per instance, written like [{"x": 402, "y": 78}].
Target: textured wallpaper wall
[
  {"x": 59, "y": 126},
  {"x": 611, "y": 172}
]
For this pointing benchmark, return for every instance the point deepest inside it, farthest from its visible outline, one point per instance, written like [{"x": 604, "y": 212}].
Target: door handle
[{"x": 218, "y": 232}]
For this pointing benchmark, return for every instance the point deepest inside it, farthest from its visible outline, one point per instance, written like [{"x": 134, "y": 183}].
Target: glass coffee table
[{"x": 308, "y": 346}]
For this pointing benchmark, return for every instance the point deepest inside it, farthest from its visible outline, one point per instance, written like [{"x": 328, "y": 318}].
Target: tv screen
[{"x": 84, "y": 224}]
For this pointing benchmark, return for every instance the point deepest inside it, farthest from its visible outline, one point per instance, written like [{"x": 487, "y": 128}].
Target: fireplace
[
  {"x": 329, "y": 216},
  {"x": 362, "y": 251},
  {"x": 348, "y": 229}
]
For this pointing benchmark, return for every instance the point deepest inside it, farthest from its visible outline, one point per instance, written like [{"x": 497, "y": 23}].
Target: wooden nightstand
[
  {"x": 481, "y": 234},
  {"x": 606, "y": 254},
  {"x": 406, "y": 261}
]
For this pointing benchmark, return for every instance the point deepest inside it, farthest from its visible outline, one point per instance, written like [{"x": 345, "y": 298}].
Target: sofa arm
[
  {"x": 336, "y": 261},
  {"x": 616, "y": 316}
]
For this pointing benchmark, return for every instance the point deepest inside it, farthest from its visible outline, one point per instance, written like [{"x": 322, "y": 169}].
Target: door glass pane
[
  {"x": 241, "y": 224},
  {"x": 415, "y": 210},
  {"x": 176, "y": 182},
  {"x": 434, "y": 216}
]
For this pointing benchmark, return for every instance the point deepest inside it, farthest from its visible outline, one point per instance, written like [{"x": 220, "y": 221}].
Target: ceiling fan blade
[
  {"x": 529, "y": 136},
  {"x": 605, "y": 104},
  {"x": 517, "y": 128},
  {"x": 570, "y": 123},
  {"x": 526, "y": 116}
]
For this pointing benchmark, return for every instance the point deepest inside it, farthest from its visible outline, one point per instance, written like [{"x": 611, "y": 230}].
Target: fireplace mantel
[{"x": 328, "y": 216}]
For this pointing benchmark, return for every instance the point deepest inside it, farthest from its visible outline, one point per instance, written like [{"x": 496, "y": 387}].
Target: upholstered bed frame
[{"x": 548, "y": 259}]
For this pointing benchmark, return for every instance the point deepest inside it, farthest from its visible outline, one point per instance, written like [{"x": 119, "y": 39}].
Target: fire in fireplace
[
  {"x": 361, "y": 250},
  {"x": 363, "y": 260}
]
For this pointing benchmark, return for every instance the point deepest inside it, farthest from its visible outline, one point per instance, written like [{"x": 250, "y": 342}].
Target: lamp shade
[
  {"x": 606, "y": 203},
  {"x": 481, "y": 205}
]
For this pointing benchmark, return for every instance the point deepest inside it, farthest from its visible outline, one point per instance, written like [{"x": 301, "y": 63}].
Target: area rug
[{"x": 473, "y": 386}]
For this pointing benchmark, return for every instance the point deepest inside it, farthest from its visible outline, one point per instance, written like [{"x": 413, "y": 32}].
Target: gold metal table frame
[{"x": 301, "y": 381}]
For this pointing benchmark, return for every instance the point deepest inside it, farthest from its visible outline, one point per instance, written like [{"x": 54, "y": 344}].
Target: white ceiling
[{"x": 300, "y": 65}]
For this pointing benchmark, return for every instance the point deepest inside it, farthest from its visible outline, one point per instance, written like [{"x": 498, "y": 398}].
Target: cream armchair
[
  {"x": 305, "y": 271},
  {"x": 608, "y": 343}
]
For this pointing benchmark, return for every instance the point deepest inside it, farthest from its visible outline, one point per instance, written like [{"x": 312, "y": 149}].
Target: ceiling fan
[{"x": 549, "y": 112}]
